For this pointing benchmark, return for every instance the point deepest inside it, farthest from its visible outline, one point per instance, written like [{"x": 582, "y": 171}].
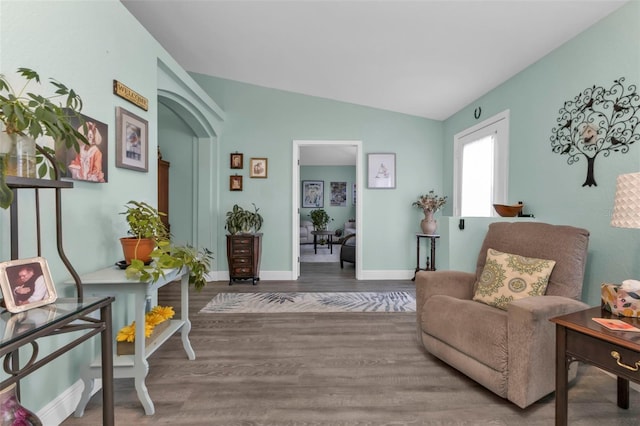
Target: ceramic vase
[
  {"x": 428, "y": 224},
  {"x": 12, "y": 413}
]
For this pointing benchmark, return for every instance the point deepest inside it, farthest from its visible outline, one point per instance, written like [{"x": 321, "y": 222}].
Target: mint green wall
[
  {"x": 264, "y": 122},
  {"x": 176, "y": 139},
  {"x": 550, "y": 187},
  {"x": 86, "y": 45},
  {"x": 330, "y": 174}
]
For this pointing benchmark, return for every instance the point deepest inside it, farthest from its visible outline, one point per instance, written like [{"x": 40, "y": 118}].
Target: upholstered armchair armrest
[
  {"x": 531, "y": 338},
  {"x": 451, "y": 283}
]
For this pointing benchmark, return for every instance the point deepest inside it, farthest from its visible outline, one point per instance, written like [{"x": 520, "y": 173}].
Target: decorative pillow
[{"x": 507, "y": 277}]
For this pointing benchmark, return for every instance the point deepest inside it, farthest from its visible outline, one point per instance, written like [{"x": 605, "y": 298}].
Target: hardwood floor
[{"x": 328, "y": 369}]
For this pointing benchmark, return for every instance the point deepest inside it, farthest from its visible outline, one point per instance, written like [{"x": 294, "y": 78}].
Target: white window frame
[{"x": 498, "y": 125}]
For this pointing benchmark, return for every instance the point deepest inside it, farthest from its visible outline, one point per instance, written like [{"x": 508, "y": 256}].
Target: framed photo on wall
[
  {"x": 235, "y": 183},
  {"x": 236, "y": 160},
  {"x": 258, "y": 168},
  {"x": 26, "y": 284},
  {"x": 313, "y": 193},
  {"x": 381, "y": 172},
  {"x": 338, "y": 194},
  {"x": 132, "y": 141},
  {"x": 91, "y": 162}
]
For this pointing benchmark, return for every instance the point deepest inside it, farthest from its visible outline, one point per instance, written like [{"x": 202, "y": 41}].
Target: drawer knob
[{"x": 617, "y": 357}]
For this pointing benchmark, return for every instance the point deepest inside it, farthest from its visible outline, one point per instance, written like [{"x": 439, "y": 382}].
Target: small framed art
[
  {"x": 132, "y": 141},
  {"x": 235, "y": 183},
  {"x": 26, "y": 284},
  {"x": 236, "y": 160},
  {"x": 381, "y": 171},
  {"x": 313, "y": 193},
  {"x": 258, "y": 168}
]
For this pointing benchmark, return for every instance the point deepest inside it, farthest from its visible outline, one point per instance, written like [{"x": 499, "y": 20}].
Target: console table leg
[
  {"x": 89, "y": 383},
  {"x": 141, "y": 366},
  {"x": 184, "y": 308}
]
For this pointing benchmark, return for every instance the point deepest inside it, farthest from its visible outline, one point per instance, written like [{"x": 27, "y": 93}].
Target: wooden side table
[
  {"x": 431, "y": 261},
  {"x": 580, "y": 338}
]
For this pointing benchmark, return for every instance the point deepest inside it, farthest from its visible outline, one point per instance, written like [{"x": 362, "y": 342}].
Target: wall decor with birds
[{"x": 597, "y": 121}]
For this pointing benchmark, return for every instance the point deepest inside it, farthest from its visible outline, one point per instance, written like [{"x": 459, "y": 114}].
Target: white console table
[{"x": 113, "y": 282}]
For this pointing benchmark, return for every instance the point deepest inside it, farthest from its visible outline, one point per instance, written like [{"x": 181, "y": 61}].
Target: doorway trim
[{"x": 296, "y": 193}]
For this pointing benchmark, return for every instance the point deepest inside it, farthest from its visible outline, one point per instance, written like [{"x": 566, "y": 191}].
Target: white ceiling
[{"x": 427, "y": 58}]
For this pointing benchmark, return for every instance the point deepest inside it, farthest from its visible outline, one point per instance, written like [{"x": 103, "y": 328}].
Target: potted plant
[
  {"x": 145, "y": 223},
  {"x": 320, "y": 218},
  {"x": 244, "y": 221},
  {"x": 429, "y": 203},
  {"x": 25, "y": 116},
  {"x": 146, "y": 231}
]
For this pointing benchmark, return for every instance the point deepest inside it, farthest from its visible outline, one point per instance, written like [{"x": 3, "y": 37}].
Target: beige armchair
[{"x": 510, "y": 352}]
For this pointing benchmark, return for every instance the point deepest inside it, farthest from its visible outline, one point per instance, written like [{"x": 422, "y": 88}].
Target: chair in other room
[
  {"x": 488, "y": 325},
  {"x": 348, "y": 250}
]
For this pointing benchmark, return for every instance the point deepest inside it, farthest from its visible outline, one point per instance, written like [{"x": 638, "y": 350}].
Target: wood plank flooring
[{"x": 328, "y": 369}]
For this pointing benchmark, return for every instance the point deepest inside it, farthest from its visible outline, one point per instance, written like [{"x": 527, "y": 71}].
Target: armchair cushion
[{"x": 507, "y": 277}]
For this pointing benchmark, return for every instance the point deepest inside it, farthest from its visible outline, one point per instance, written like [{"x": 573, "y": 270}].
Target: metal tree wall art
[{"x": 597, "y": 121}]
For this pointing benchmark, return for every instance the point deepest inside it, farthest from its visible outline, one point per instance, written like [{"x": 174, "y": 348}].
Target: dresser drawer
[
  {"x": 607, "y": 356},
  {"x": 241, "y": 261},
  {"x": 242, "y": 271}
]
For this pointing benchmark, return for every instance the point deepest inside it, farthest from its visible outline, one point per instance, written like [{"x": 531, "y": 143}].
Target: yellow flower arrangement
[{"x": 152, "y": 318}]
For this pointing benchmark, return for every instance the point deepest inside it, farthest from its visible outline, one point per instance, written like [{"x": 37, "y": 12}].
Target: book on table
[{"x": 616, "y": 324}]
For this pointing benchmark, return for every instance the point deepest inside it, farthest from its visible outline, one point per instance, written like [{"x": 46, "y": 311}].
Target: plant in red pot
[{"x": 146, "y": 231}]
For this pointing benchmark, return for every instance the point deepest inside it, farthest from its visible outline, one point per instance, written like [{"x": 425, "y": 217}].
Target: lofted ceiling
[{"x": 426, "y": 58}]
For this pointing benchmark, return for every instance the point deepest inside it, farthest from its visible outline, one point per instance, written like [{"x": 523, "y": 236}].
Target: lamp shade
[{"x": 626, "y": 206}]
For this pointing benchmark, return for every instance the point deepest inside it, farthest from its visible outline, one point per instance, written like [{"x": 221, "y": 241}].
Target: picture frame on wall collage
[{"x": 258, "y": 168}]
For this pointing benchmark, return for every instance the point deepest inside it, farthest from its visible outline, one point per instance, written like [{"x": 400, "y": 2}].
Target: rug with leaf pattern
[{"x": 240, "y": 303}]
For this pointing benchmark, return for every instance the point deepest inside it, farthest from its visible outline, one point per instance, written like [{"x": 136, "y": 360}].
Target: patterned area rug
[{"x": 240, "y": 303}]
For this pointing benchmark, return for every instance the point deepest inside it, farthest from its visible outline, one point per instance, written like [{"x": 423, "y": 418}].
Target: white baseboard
[
  {"x": 387, "y": 274},
  {"x": 64, "y": 404}
]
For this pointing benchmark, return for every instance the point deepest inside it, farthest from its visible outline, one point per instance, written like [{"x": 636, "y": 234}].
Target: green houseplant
[
  {"x": 145, "y": 224},
  {"x": 146, "y": 230},
  {"x": 320, "y": 218},
  {"x": 244, "y": 221},
  {"x": 26, "y": 114}
]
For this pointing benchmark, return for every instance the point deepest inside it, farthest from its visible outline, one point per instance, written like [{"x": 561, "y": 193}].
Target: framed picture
[
  {"x": 235, "y": 183},
  {"x": 338, "y": 194},
  {"x": 90, "y": 163},
  {"x": 132, "y": 141},
  {"x": 313, "y": 193},
  {"x": 236, "y": 161},
  {"x": 258, "y": 168},
  {"x": 353, "y": 194},
  {"x": 26, "y": 284},
  {"x": 381, "y": 171}
]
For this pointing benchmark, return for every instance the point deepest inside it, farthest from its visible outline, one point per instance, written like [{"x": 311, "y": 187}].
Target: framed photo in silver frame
[{"x": 26, "y": 284}]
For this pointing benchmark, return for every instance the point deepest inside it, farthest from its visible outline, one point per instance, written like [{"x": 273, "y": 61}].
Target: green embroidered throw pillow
[{"x": 507, "y": 277}]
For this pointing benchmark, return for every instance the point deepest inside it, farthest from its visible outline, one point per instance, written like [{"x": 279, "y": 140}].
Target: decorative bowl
[{"x": 508, "y": 211}]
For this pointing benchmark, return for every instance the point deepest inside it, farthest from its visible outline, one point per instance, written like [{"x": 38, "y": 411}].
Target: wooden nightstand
[{"x": 579, "y": 338}]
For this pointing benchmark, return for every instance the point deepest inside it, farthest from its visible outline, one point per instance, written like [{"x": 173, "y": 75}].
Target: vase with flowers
[{"x": 429, "y": 203}]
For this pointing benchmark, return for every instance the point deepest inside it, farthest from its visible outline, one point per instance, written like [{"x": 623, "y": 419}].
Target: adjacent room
[{"x": 354, "y": 212}]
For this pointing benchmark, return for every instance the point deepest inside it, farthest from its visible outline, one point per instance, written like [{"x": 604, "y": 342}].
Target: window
[{"x": 481, "y": 157}]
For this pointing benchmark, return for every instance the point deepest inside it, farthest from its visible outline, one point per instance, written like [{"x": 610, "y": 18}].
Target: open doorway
[{"x": 327, "y": 154}]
